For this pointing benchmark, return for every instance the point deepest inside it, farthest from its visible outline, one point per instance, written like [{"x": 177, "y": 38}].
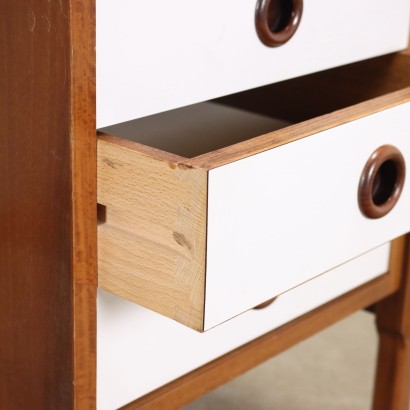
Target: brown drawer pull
[
  {"x": 381, "y": 182},
  {"x": 265, "y": 304},
  {"x": 277, "y": 20}
]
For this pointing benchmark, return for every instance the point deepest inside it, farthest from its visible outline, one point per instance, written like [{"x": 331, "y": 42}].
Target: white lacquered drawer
[
  {"x": 201, "y": 222},
  {"x": 154, "y": 56},
  {"x": 140, "y": 351}
]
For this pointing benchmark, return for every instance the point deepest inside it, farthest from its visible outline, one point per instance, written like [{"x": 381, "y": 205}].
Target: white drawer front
[
  {"x": 281, "y": 217},
  {"x": 154, "y": 56},
  {"x": 139, "y": 351}
]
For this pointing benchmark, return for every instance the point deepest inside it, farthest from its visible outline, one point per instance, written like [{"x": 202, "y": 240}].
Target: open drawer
[{"x": 201, "y": 219}]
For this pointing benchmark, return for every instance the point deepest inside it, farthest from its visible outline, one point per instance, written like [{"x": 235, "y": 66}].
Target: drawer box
[
  {"x": 140, "y": 351},
  {"x": 154, "y": 56},
  {"x": 202, "y": 236}
]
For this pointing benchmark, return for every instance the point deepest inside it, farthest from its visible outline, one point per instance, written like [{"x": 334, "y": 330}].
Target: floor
[{"x": 333, "y": 370}]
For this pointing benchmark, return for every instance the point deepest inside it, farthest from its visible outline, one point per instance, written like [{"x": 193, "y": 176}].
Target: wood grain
[
  {"x": 231, "y": 365},
  {"x": 84, "y": 196},
  {"x": 47, "y": 175},
  {"x": 392, "y": 388},
  {"x": 152, "y": 246},
  {"x": 35, "y": 208}
]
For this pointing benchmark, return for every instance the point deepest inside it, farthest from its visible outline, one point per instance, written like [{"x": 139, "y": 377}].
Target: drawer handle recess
[
  {"x": 277, "y": 20},
  {"x": 265, "y": 304},
  {"x": 381, "y": 182}
]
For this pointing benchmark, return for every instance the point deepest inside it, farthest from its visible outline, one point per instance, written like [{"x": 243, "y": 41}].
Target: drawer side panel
[{"x": 151, "y": 247}]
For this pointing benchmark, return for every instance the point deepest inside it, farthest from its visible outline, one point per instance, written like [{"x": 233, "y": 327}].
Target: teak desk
[{"x": 48, "y": 215}]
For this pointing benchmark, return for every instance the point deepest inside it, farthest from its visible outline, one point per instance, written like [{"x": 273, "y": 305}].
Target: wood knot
[
  {"x": 111, "y": 163},
  {"x": 181, "y": 240}
]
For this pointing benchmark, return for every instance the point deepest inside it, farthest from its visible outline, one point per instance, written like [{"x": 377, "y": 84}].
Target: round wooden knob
[
  {"x": 381, "y": 182},
  {"x": 265, "y": 304},
  {"x": 277, "y": 20}
]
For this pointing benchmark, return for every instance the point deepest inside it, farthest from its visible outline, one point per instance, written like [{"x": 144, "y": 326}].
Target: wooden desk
[{"x": 48, "y": 220}]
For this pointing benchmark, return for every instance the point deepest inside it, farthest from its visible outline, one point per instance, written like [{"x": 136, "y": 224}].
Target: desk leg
[{"x": 392, "y": 388}]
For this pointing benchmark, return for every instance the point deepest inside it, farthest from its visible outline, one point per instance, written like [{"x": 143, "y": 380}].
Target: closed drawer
[
  {"x": 202, "y": 239},
  {"x": 154, "y": 56},
  {"x": 140, "y": 351}
]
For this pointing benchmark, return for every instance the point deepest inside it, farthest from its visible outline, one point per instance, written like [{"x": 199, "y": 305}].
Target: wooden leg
[{"x": 392, "y": 389}]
